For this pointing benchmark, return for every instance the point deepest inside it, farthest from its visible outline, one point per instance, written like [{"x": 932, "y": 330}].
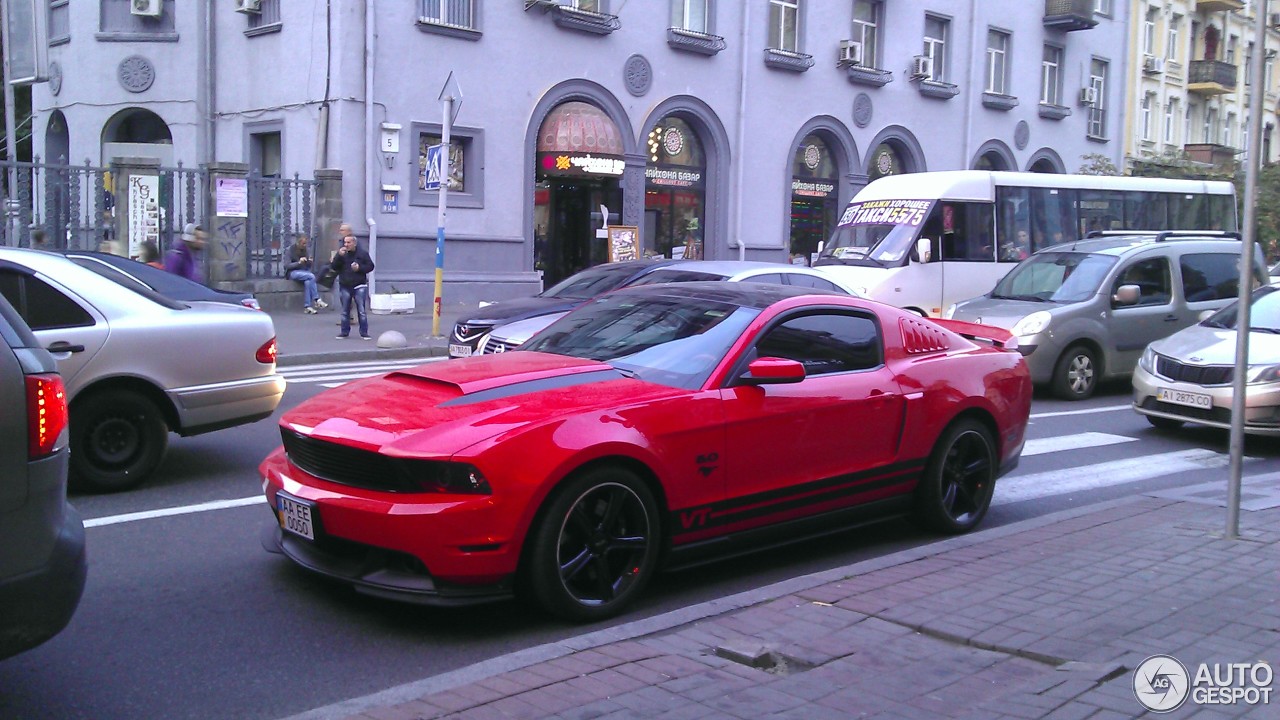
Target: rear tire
[
  {"x": 595, "y": 547},
  {"x": 959, "y": 480},
  {"x": 1075, "y": 377},
  {"x": 118, "y": 438}
]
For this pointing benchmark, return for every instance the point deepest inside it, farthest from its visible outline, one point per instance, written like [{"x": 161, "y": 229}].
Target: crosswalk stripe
[
  {"x": 1017, "y": 488},
  {"x": 1072, "y": 442},
  {"x": 327, "y": 372},
  {"x": 1089, "y": 411},
  {"x": 360, "y": 364}
]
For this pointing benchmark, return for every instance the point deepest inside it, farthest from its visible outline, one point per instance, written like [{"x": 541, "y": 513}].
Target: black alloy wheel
[
  {"x": 1076, "y": 375},
  {"x": 117, "y": 440},
  {"x": 596, "y": 546},
  {"x": 959, "y": 480}
]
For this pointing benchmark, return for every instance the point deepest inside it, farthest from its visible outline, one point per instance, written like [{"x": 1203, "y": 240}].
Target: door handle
[
  {"x": 1171, "y": 318},
  {"x": 62, "y": 346}
]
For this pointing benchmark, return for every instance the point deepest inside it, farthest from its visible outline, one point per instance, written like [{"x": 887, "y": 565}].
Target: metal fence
[{"x": 73, "y": 207}]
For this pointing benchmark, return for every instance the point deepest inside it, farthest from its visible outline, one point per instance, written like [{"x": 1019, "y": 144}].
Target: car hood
[
  {"x": 520, "y": 308},
  {"x": 520, "y": 331},
  {"x": 438, "y": 409},
  {"x": 999, "y": 313},
  {"x": 1203, "y": 345}
]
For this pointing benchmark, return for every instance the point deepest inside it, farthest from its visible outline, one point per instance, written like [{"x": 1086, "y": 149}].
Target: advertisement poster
[
  {"x": 887, "y": 212},
  {"x": 144, "y": 212},
  {"x": 232, "y": 197},
  {"x": 624, "y": 243}
]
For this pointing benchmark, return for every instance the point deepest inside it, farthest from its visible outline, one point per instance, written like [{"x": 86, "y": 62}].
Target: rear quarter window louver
[{"x": 920, "y": 337}]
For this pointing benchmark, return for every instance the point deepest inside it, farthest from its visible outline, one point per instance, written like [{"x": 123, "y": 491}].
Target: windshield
[
  {"x": 1264, "y": 313},
  {"x": 122, "y": 279},
  {"x": 875, "y": 232},
  {"x": 670, "y": 341},
  {"x": 1062, "y": 277},
  {"x": 592, "y": 281}
]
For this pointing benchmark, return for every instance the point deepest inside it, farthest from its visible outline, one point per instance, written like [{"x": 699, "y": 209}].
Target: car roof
[
  {"x": 752, "y": 295},
  {"x": 729, "y": 268},
  {"x": 1120, "y": 244}
]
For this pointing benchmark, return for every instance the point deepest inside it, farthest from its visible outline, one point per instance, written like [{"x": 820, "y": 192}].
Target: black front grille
[
  {"x": 1196, "y": 374},
  {"x": 348, "y": 465},
  {"x": 498, "y": 346}
]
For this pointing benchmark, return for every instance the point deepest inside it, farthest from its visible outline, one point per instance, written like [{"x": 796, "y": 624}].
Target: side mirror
[
  {"x": 821, "y": 244},
  {"x": 924, "y": 249},
  {"x": 772, "y": 371},
  {"x": 1126, "y": 295}
]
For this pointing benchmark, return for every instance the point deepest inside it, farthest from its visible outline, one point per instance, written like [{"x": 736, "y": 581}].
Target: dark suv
[{"x": 42, "y": 558}]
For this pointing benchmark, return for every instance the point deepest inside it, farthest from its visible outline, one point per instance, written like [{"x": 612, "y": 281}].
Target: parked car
[
  {"x": 1084, "y": 311},
  {"x": 42, "y": 555},
  {"x": 138, "y": 365},
  {"x": 166, "y": 283},
  {"x": 512, "y": 335},
  {"x": 470, "y": 332},
  {"x": 655, "y": 424},
  {"x": 1189, "y": 376}
]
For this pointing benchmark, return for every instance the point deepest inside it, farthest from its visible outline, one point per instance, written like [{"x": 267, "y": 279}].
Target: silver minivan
[{"x": 1084, "y": 311}]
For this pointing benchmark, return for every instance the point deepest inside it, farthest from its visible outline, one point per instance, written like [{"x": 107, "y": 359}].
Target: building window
[
  {"x": 266, "y": 20},
  {"x": 784, "y": 23},
  {"x": 117, "y": 23},
  {"x": 691, "y": 15},
  {"x": 595, "y": 6},
  {"x": 1051, "y": 76},
  {"x": 1268, "y": 68},
  {"x": 866, "y": 29},
  {"x": 935, "y": 45},
  {"x": 1171, "y": 41},
  {"x": 451, "y": 13},
  {"x": 1209, "y": 130},
  {"x": 1144, "y": 115},
  {"x": 997, "y": 56},
  {"x": 1229, "y": 130},
  {"x": 466, "y": 163},
  {"x": 1149, "y": 31},
  {"x": 1102, "y": 7},
  {"x": 266, "y": 153},
  {"x": 1248, "y": 65},
  {"x": 1170, "y": 121},
  {"x": 59, "y": 22},
  {"x": 1192, "y": 111},
  {"x": 1098, "y": 111}
]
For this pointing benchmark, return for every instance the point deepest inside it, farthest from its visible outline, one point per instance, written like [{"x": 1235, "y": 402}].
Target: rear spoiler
[{"x": 994, "y": 336}]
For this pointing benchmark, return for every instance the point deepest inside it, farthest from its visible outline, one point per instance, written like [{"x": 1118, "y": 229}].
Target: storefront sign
[
  {"x": 811, "y": 187},
  {"x": 672, "y": 177},
  {"x": 887, "y": 212},
  {"x": 144, "y": 212},
  {"x": 581, "y": 164}
]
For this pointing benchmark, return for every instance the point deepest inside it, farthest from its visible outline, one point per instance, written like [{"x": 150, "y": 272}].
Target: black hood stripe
[{"x": 532, "y": 386}]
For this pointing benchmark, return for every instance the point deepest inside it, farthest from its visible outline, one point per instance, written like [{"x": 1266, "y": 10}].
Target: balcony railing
[
  {"x": 1216, "y": 5},
  {"x": 1211, "y": 77},
  {"x": 694, "y": 41},
  {"x": 1069, "y": 14}
]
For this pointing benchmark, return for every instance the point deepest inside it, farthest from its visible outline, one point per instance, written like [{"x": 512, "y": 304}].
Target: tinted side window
[
  {"x": 770, "y": 278},
  {"x": 40, "y": 305},
  {"x": 1210, "y": 276},
  {"x": 814, "y": 282},
  {"x": 1152, "y": 277},
  {"x": 825, "y": 343}
]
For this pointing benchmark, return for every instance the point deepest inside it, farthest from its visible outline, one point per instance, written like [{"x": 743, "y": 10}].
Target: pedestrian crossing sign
[{"x": 433, "y": 168}]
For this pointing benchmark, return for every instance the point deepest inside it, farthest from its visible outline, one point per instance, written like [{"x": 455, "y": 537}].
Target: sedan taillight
[
  {"x": 46, "y": 414},
  {"x": 267, "y": 353}
]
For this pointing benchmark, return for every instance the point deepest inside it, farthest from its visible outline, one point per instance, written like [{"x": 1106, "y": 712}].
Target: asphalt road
[{"x": 186, "y": 616}]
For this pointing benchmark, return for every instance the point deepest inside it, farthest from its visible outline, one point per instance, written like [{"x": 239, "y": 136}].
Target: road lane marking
[
  {"x": 1090, "y": 411},
  {"x": 1078, "y": 441},
  {"x": 360, "y": 364},
  {"x": 1017, "y": 488},
  {"x": 327, "y": 373},
  {"x": 183, "y": 510}
]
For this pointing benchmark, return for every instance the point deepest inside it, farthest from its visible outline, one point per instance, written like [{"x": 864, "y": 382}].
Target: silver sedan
[{"x": 138, "y": 365}]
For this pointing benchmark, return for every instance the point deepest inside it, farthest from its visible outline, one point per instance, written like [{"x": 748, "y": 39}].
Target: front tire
[
  {"x": 959, "y": 480},
  {"x": 117, "y": 440},
  {"x": 596, "y": 546},
  {"x": 1075, "y": 377}
]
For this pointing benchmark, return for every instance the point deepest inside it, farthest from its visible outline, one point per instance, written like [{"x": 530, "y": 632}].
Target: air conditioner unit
[
  {"x": 1152, "y": 64},
  {"x": 252, "y": 7},
  {"x": 850, "y": 52},
  {"x": 921, "y": 67},
  {"x": 1088, "y": 96},
  {"x": 147, "y": 8}
]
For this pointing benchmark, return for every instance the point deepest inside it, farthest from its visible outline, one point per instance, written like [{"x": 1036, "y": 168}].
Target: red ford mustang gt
[{"x": 660, "y": 425}]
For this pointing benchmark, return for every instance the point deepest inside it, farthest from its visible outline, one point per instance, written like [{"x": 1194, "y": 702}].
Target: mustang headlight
[
  {"x": 1263, "y": 374},
  {"x": 1148, "y": 360},
  {"x": 446, "y": 477},
  {"x": 1033, "y": 324}
]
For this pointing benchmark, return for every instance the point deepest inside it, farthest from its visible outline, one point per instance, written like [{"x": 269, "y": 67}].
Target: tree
[{"x": 1097, "y": 164}]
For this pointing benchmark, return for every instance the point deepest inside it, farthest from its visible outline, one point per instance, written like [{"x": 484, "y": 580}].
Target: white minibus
[{"x": 923, "y": 241}]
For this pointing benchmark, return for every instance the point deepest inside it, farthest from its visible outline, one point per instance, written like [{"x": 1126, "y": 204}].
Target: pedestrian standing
[
  {"x": 299, "y": 268},
  {"x": 353, "y": 265},
  {"x": 184, "y": 258}
]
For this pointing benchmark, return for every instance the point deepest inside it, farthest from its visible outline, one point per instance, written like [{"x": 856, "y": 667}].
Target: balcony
[
  {"x": 1216, "y": 5},
  {"x": 694, "y": 41},
  {"x": 1211, "y": 77},
  {"x": 1068, "y": 15},
  {"x": 780, "y": 59},
  {"x": 585, "y": 21},
  {"x": 1220, "y": 156},
  {"x": 873, "y": 77}
]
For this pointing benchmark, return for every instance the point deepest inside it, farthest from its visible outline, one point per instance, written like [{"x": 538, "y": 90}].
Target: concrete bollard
[{"x": 392, "y": 339}]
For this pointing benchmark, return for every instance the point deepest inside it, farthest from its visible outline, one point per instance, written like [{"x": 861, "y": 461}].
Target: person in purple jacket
[{"x": 184, "y": 258}]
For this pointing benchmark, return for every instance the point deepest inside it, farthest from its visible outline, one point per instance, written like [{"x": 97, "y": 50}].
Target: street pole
[
  {"x": 1239, "y": 386},
  {"x": 441, "y": 212},
  {"x": 10, "y": 134}
]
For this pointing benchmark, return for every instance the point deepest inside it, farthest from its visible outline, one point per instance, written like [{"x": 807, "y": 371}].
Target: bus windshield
[
  {"x": 1064, "y": 277},
  {"x": 875, "y": 233}
]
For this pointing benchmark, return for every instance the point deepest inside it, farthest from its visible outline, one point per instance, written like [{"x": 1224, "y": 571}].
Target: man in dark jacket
[
  {"x": 298, "y": 267},
  {"x": 353, "y": 265}
]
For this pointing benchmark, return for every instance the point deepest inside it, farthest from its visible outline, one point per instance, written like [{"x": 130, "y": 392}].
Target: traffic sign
[{"x": 433, "y": 167}]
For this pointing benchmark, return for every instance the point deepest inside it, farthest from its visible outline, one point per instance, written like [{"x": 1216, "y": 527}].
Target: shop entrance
[{"x": 572, "y": 216}]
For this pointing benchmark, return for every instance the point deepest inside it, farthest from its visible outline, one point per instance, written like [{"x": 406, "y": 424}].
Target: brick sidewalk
[{"x": 1047, "y": 618}]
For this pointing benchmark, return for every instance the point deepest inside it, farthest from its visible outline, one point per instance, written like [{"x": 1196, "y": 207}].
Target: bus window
[
  {"x": 1146, "y": 210},
  {"x": 1101, "y": 210},
  {"x": 1222, "y": 213},
  {"x": 1054, "y": 210},
  {"x": 1013, "y": 230},
  {"x": 1188, "y": 212},
  {"x": 966, "y": 231}
]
